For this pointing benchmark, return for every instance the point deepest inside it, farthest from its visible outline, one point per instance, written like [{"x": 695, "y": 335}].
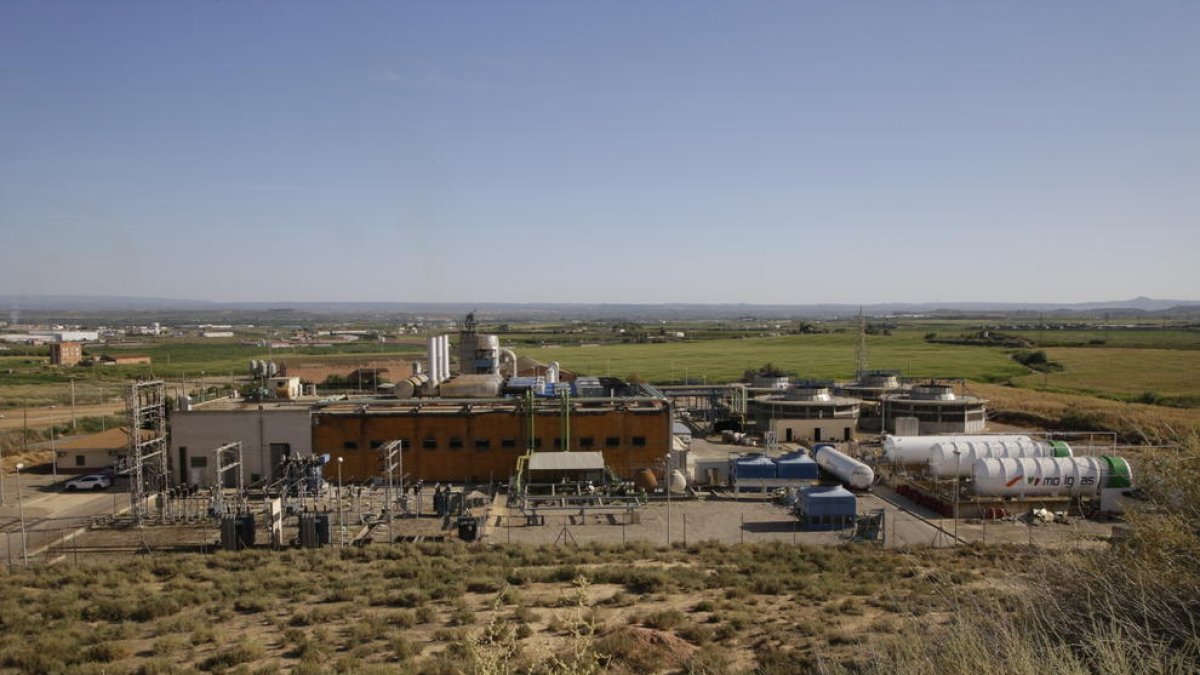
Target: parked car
[{"x": 90, "y": 482}]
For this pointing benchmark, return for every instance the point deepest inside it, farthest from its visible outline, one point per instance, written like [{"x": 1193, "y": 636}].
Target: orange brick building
[
  {"x": 479, "y": 440},
  {"x": 66, "y": 353}
]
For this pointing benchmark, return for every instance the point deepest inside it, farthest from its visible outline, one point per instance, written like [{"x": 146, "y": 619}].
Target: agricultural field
[
  {"x": 1148, "y": 375},
  {"x": 817, "y": 356}
]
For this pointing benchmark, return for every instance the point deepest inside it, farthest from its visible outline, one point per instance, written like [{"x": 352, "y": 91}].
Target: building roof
[
  {"x": 113, "y": 439},
  {"x": 824, "y": 492},
  {"x": 566, "y": 461}
]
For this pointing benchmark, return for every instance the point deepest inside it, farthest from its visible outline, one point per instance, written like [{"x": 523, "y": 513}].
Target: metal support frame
[
  {"x": 226, "y": 458},
  {"x": 392, "y": 454},
  {"x": 146, "y": 409}
]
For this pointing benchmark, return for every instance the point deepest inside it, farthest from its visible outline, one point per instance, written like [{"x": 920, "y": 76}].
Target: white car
[{"x": 91, "y": 482}]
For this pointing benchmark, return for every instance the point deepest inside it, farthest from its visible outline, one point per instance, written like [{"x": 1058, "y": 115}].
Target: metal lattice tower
[
  {"x": 146, "y": 408},
  {"x": 860, "y": 349},
  {"x": 393, "y": 460}
]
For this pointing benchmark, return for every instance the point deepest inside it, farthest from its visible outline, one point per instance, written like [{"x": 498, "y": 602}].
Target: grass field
[
  {"x": 1168, "y": 373},
  {"x": 820, "y": 356},
  {"x": 1142, "y": 339}
]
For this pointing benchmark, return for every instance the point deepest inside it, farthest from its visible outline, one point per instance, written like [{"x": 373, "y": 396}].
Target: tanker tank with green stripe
[
  {"x": 1061, "y": 449},
  {"x": 1119, "y": 473}
]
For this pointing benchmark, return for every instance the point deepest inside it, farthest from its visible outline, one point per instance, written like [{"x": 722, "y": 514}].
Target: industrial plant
[{"x": 475, "y": 442}]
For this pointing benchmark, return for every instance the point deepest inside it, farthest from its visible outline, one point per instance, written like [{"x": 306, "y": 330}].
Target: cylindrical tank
[
  {"x": 408, "y": 387},
  {"x": 853, "y": 473},
  {"x": 479, "y": 354},
  {"x": 1049, "y": 476},
  {"x": 915, "y": 450},
  {"x": 645, "y": 479},
  {"x": 943, "y": 463},
  {"x": 433, "y": 355},
  {"x": 678, "y": 483},
  {"x": 471, "y": 386}
]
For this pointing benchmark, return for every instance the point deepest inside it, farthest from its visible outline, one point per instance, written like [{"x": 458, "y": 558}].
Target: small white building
[{"x": 284, "y": 387}]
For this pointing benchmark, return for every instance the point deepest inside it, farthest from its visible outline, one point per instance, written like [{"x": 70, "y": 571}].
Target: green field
[
  {"x": 820, "y": 356},
  {"x": 29, "y": 379},
  {"x": 1144, "y": 339},
  {"x": 1169, "y": 373}
]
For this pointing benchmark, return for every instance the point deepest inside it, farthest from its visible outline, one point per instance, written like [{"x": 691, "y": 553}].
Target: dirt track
[{"x": 39, "y": 418}]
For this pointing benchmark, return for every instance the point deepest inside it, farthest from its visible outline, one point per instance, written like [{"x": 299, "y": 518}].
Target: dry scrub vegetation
[
  {"x": 1134, "y": 422},
  {"x": 447, "y": 608}
]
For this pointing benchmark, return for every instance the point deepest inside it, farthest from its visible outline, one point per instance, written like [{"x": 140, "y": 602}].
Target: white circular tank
[
  {"x": 915, "y": 450},
  {"x": 677, "y": 483},
  {"x": 1049, "y": 476},
  {"x": 845, "y": 468},
  {"x": 944, "y": 464}
]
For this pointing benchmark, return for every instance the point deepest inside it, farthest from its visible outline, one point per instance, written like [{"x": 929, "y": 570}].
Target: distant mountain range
[{"x": 75, "y": 305}]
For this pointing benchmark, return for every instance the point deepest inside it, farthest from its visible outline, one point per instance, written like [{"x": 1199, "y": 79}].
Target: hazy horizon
[{"x": 538, "y": 152}]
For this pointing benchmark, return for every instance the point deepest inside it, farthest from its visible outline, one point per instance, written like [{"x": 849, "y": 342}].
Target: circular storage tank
[
  {"x": 853, "y": 473},
  {"x": 645, "y": 479},
  {"x": 915, "y": 450},
  {"x": 932, "y": 392},
  {"x": 944, "y": 464},
  {"x": 1049, "y": 476}
]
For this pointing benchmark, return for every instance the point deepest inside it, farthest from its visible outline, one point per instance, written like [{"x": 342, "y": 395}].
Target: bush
[{"x": 232, "y": 655}]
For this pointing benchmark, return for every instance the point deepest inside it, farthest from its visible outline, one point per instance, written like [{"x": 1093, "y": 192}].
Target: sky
[{"x": 628, "y": 152}]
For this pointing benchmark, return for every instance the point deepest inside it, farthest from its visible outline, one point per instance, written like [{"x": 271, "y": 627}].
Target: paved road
[{"x": 49, "y": 511}]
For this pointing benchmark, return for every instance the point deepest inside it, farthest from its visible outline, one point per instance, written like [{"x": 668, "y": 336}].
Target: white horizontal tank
[
  {"x": 845, "y": 468},
  {"x": 1049, "y": 476},
  {"x": 943, "y": 463},
  {"x": 915, "y": 450}
]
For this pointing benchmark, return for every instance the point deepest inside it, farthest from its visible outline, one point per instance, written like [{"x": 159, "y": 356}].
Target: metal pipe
[{"x": 504, "y": 351}]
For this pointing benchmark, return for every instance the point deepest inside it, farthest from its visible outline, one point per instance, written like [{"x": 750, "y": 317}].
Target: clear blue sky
[{"x": 774, "y": 152}]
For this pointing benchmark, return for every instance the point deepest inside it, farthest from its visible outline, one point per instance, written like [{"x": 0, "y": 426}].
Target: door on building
[
  {"x": 817, "y": 434},
  {"x": 197, "y": 467},
  {"x": 846, "y": 436},
  {"x": 788, "y": 435},
  {"x": 278, "y": 452}
]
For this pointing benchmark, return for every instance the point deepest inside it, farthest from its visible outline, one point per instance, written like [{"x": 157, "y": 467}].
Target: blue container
[
  {"x": 797, "y": 466},
  {"x": 753, "y": 466},
  {"x": 828, "y": 508}
]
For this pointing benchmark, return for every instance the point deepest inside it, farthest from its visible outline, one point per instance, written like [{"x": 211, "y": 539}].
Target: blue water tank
[
  {"x": 797, "y": 466},
  {"x": 753, "y": 466}
]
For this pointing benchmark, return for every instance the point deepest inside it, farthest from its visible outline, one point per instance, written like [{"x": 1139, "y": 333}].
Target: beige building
[
  {"x": 268, "y": 431},
  {"x": 91, "y": 453}
]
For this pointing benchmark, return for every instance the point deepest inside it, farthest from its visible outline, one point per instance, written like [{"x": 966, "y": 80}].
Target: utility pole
[
  {"x": 53, "y": 451},
  {"x": 957, "y": 467},
  {"x": 667, "y": 483},
  {"x": 72, "y": 404},
  {"x": 21, "y": 510}
]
